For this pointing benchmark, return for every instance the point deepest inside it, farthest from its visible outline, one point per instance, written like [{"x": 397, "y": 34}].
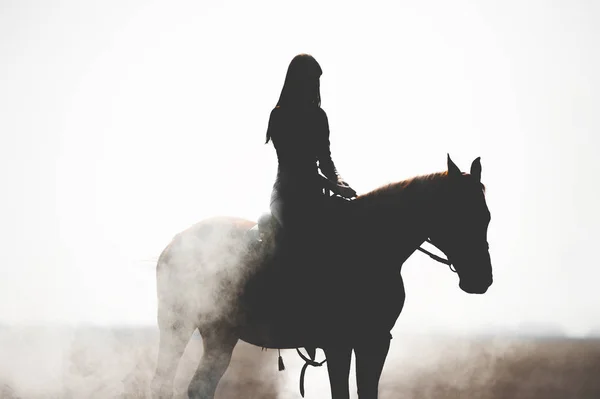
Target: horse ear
[
  {"x": 452, "y": 168},
  {"x": 476, "y": 169}
]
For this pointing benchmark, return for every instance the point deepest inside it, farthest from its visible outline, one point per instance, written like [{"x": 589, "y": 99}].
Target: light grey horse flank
[{"x": 203, "y": 273}]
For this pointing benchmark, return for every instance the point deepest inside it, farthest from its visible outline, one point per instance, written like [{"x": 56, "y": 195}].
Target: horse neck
[{"x": 399, "y": 216}]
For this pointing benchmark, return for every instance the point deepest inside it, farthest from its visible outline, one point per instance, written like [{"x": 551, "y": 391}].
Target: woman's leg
[{"x": 277, "y": 209}]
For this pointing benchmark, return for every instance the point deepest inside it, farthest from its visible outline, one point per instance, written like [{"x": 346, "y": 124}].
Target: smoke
[
  {"x": 201, "y": 272},
  {"x": 97, "y": 362},
  {"x": 199, "y": 277}
]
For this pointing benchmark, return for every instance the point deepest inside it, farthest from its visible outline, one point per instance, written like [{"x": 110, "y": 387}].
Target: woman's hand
[{"x": 345, "y": 190}]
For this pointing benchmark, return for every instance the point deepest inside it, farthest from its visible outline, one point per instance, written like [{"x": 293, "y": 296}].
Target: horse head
[{"x": 459, "y": 227}]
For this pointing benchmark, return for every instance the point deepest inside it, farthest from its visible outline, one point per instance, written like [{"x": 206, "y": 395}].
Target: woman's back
[
  {"x": 299, "y": 130},
  {"x": 301, "y": 138}
]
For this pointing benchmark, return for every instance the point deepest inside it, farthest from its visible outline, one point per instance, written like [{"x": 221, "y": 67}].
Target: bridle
[{"x": 435, "y": 257}]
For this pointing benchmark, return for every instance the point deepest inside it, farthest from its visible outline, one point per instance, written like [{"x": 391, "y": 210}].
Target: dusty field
[{"x": 118, "y": 363}]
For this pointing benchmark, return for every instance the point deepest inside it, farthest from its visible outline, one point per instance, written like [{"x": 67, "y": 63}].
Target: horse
[{"x": 212, "y": 278}]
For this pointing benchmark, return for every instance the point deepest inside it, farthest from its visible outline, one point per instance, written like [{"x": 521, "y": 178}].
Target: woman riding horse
[{"x": 299, "y": 130}]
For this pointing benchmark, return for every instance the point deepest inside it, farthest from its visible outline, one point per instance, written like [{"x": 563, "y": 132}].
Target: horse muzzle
[{"x": 476, "y": 284}]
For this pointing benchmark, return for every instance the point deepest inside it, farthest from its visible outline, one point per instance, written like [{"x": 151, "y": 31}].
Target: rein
[{"x": 437, "y": 258}]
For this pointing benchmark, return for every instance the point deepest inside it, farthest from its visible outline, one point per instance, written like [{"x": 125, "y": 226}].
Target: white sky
[{"x": 124, "y": 122}]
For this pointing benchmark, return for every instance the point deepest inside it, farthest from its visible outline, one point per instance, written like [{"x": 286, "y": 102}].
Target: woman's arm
[
  {"x": 326, "y": 164},
  {"x": 323, "y": 150}
]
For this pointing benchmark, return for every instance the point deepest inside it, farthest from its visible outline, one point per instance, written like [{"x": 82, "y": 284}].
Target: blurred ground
[{"x": 52, "y": 362}]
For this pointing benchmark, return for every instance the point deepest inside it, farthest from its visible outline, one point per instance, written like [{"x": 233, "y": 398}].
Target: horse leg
[
  {"x": 338, "y": 367},
  {"x": 370, "y": 357},
  {"x": 174, "y": 336},
  {"x": 218, "y": 346}
]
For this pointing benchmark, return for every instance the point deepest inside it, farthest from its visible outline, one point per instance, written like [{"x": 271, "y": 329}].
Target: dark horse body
[{"x": 210, "y": 278}]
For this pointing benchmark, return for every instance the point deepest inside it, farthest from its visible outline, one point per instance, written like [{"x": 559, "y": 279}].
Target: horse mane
[
  {"x": 397, "y": 189},
  {"x": 394, "y": 191}
]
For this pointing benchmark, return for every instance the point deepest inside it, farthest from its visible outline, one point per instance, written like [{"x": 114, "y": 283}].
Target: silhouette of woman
[{"x": 299, "y": 130}]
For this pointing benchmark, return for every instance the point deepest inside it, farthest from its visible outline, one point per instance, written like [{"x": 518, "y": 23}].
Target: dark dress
[{"x": 301, "y": 139}]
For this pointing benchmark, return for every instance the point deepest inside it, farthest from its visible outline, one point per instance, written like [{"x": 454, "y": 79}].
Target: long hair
[{"x": 301, "y": 86}]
